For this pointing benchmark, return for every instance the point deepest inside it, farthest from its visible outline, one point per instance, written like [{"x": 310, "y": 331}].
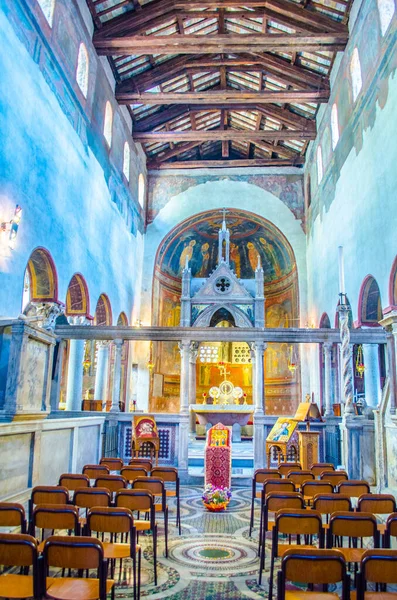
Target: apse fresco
[{"x": 197, "y": 240}]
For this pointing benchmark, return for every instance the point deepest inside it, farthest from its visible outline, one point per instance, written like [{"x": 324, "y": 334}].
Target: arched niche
[
  {"x": 103, "y": 311},
  {"x": 211, "y": 316},
  {"x": 77, "y": 297},
  {"x": 40, "y": 280},
  {"x": 369, "y": 303}
]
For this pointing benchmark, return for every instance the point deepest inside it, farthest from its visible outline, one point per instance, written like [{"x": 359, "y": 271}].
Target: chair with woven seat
[
  {"x": 12, "y": 515},
  {"x": 47, "y": 494},
  {"x": 145, "y": 462},
  {"x": 170, "y": 475},
  {"x": 19, "y": 550},
  {"x": 111, "y": 482},
  {"x": 318, "y": 468},
  {"x": 260, "y": 475},
  {"x": 94, "y": 471},
  {"x": 313, "y": 488},
  {"x": 275, "y": 501},
  {"x": 326, "y": 504},
  {"x": 78, "y": 553},
  {"x": 56, "y": 517},
  {"x": 334, "y": 477},
  {"x": 131, "y": 472},
  {"x": 293, "y": 522},
  {"x": 378, "y": 567},
  {"x": 156, "y": 486},
  {"x": 117, "y": 521},
  {"x": 113, "y": 463},
  {"x": 378, "y": 504},
  {"x": 285, "y": 467},
  {"x": 299, "y": 477},
  {"x": 141, "y": 501},
  {"x": 74, "y": 481},
  {"x": 354, "y": 526},
  {"x": 312, "y": 566}
]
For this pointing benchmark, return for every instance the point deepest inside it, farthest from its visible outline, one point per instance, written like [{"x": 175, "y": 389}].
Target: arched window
[
  {"x": 127, "y": 161},
  {"x": 122, "y": 321},
  {"x": 355, "y": 73},
  {"x": 103, "y": 311},
  {"x": 48, "y": 6},
  {"x": 108, "y": 124},
  {"x": 370, "y": 306},
  {"x": 141, "y": 190},
  {"x": 82, "y": 70},
  {"x": 320, "y": 171},
  {"x": 325, "y": 323},
  {"x": 386, "y": 10},
  {"x": 334, "y": 126},
  {"x": 40, "y": 279},
  {"x": 393, "y": 284},
  {"x": 77, "y": 299}
]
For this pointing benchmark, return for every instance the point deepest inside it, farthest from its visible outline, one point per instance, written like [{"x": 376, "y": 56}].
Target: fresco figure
[
  {"x": 271, "y": 255},
  {"x": 186, "y": 253},
  {"x": 203, "y": 272},
  {"x": 235, "y": 259},
  {"x": 252, "y": 256}
]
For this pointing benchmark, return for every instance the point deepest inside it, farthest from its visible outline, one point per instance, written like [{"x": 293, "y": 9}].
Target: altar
[{"x": 225, "y": 414}]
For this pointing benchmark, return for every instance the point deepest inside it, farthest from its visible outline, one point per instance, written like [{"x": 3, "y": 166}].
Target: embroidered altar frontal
[{"x": 218, "y": 456}]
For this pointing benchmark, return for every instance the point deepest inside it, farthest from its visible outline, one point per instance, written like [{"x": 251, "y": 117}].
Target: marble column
[
  {"x": 74, "y": 384},
  {"x": 184, "y": 349},
  {"x": 193, "y": 351},
  {"x": 116, "y": 376},
  {"x": 259, "y": 401},
  {"x": 102, "y": 371},
  {"x": 327, "y": 349},
  {"x": 389, "y": 322},
  {"x": 371, "y": 375}
]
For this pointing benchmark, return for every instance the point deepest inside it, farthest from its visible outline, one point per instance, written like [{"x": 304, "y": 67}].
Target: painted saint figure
[
  {"x": 271, "y": 255},
  {"x": 235, "y": 259},
  {"x": 252, "y": 256},
  {"x": 204, "y": 260},
  {"x": 186, "y": 253}
]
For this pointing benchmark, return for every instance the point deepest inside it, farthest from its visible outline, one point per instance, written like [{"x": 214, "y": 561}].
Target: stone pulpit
[{"x": 218, "y": 456}]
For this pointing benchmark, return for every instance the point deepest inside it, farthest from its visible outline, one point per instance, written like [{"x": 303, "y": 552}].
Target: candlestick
[{"x": 342, "y": 290}]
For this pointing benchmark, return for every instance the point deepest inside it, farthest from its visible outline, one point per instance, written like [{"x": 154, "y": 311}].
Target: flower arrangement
[{"x": 216, "y": 498}]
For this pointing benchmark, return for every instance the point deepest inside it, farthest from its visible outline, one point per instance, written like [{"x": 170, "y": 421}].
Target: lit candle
[{"x": 341, "y": 271}]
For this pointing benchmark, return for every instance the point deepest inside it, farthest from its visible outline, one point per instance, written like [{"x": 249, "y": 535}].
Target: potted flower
[{"x": 216, "y": 499}]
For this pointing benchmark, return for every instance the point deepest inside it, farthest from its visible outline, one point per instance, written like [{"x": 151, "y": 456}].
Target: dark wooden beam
[
  {"x": 243, "y": 162},
  {"x": 215, "y": 135},
  {"x": 227, "y": 97},
  {"x": 136, "y": 20},
  {"x": 214, "y": 44}
]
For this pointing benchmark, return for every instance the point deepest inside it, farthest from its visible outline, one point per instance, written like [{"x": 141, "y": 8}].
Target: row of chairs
[
  {"x": 318, "y": 567},
  {"x": 308, "y": 525}
]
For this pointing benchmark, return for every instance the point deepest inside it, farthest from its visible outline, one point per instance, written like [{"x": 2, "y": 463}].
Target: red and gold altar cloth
[{"x": 218, "y": 456}]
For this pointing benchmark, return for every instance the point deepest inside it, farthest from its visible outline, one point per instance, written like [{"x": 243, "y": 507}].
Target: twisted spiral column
[{"x": 346, "y": 358}]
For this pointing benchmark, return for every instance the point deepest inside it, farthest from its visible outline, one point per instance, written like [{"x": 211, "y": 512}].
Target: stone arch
[
  {"x": 40, "y": 278},
  {"x": 77, "y": 296},
  {"x": 369, "y": 303},
  {"x": 103, "y": 311},
  {"x": 240, "y": 319}
]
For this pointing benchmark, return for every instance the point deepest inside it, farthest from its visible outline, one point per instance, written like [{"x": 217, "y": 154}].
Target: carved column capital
[{"x": 193, "y": 351}]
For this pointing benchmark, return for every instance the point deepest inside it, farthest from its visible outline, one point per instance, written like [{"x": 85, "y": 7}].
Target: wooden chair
[
  {"x": 19, "y": 550},
  {"x": 378, "y": 567},
  {"x": 299, "y": 477},
  {"x": 112, "y": 482},
  {"x": 94, "y": 471},
  {"x": 155, "y": 486},
  {"x": 74, "y": 481},
  {"x": 273, "y": 485},
  {"x": 326, "y": 504},
  {"x": 295, "y": 522},
  {"x": 170, "y": 475},
  {"x": 131, "y": 472},
  {"x": 90, "y": 497},
  {"x": 145, "y": 462},
  {"x": 312, "y": 567},
  {"x": 56, "y": 517},
  {"x": 13, "y": 515},
  {"x": 391, "y": 529},
  {"x": 318, "y": 468},
  {"x": 114, "y": 464},
  {"x": 313, "y": 488},
  {"x": 80, "y": 553},
  {"x": 354, "y": 488},
  {"x": 260, "y": 475},
  {"x": 275, "y": 501},
  {"x": 334, "y": 477},
  {"x": 47, "y": 494},
  {"x": 354, "y": 526},
  {"x": 141, "y": 501},
  {"x": 285, "y": 467},
  {"x": 378, "y": 504},
  {"x": 117, "y": 520}
]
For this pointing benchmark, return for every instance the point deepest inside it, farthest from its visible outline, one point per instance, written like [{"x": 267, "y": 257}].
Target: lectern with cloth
[
  {"x": 144, "y": 431},
  {"x": 308, "y": 440},
  {"x": 218, "y": 456}
]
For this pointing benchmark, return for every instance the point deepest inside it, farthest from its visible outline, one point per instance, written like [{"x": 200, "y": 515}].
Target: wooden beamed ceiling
[{"x": 221, "y": 82}]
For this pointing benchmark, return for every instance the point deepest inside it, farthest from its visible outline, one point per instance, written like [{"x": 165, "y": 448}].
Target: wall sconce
[
  {"x": 360, "y": 367},
  {"x": 292, "y": 366},
  {"x": 12, "y": 226}
]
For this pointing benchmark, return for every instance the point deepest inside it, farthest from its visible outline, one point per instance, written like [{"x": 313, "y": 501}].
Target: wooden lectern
[
  {"x": 144, "y": 431},
  {"x": 308, "y": 440}
]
